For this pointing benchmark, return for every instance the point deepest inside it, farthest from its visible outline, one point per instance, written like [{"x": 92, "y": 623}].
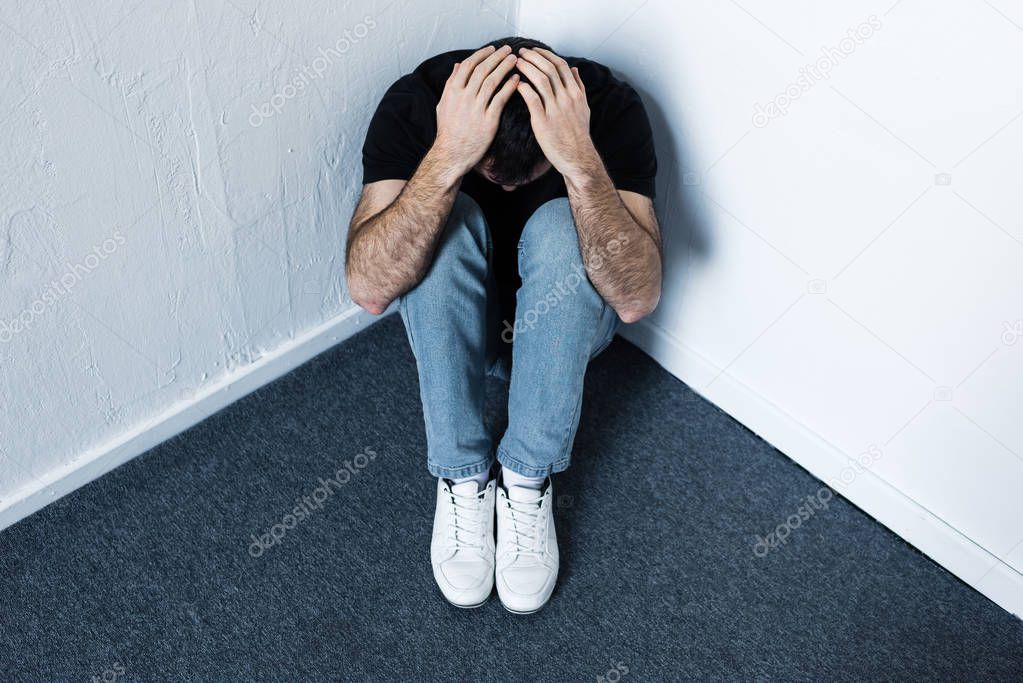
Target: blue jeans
[{"x": 561, "y": 322}]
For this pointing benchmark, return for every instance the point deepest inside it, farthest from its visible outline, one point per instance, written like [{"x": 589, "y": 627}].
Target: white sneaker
[
  {"x": 462, "y": 551},
  {"x": 527, "y": 548}
]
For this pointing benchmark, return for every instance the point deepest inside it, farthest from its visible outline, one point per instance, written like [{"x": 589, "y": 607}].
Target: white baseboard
[
  {"x": 919, "y": 526},
  {"x": 182, "y": 415}
]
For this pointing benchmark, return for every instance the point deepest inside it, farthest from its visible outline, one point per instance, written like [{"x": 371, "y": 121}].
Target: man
[{"x": 507, "y": 207}]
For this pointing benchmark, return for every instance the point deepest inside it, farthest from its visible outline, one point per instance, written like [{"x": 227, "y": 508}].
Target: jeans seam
[
  {"x": 402, "y": 311},
  {"x": 598, "y": 351},
  {"x": 571, "y": 429},
  {"x": 610, "y": 338}
]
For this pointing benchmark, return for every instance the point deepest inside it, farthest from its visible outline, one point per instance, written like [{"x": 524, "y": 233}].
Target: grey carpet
[{"x": 146, "y": 575}]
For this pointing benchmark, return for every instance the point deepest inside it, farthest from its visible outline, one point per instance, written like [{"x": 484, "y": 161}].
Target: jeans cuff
[
  {"x": 457, "y": 472},
  {"x": 526, "y": 470}
]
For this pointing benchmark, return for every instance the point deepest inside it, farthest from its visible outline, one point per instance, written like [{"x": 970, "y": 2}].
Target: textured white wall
[
  {"x": 175, "y": 187},
  {"x": 850, "y": 260}
]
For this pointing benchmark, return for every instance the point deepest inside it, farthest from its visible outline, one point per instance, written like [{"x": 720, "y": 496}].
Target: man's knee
[{"x": 550, "y": 243}]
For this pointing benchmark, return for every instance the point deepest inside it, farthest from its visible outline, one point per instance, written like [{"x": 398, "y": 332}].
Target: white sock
[
  {"x": 516, "y": 479},
  {"x": 481, "y": 479}
]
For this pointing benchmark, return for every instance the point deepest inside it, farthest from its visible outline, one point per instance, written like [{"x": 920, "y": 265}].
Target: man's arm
[
  {"x": 397, "y": 225},
  {"x": 620, "y": 242},
  {"x": 395, "y": 230},
  {"x": 618, "y": 232}
]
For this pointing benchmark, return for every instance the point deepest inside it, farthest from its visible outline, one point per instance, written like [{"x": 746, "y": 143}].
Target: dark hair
[{"x": 514, "y": 154}]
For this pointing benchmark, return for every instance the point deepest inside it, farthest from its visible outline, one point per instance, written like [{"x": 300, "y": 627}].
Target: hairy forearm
[
  {"x": 621, "y": 255},
  {"x": 390, "y": 251}
]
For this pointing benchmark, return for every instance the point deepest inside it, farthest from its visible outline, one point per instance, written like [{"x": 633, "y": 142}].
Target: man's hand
[
  {"x": 397, "y": 224},
  {"x": 629, "y": 281},
  {"x": 558, "y": 111},
  {"x": 469, "y": 111}
]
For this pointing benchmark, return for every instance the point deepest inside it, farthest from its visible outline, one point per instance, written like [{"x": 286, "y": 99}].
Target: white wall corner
[{"x": 888, "y": 505}]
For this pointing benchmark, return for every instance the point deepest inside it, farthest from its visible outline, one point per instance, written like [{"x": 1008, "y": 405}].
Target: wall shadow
[{"x": 679, "y": 203}]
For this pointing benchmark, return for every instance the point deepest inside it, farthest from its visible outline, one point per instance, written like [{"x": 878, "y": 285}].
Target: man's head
[{"x": 514, "y": 157}]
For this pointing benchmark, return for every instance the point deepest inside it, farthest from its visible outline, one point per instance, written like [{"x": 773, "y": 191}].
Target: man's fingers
[
  {"x": 545, "y": 65},
  {"x": 533, "y": 101},
  {"x": 454, "y": 73},
  {"x": 484, "y": 68},
  {"x": 560, "y": 64},
  {"x": 504, "y": 94},
  {"x": 491, "y": 82},
  {"x": 466, "y": 69},
  {"x": 578, "y": 79},
  {"x": 538, "y": 78}
]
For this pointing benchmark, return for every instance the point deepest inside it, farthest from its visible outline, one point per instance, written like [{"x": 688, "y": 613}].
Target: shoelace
[
  {"x": 465, "y": 531},
  {"x": 527, "y": 536}
]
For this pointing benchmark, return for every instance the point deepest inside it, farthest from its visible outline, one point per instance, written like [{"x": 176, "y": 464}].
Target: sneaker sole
[
  {"x": 521, "y": 613},
  {"x": 455, "y": 604}
]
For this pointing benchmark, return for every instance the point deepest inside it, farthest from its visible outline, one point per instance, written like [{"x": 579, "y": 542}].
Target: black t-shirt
[{"x": 405, "y": 125}]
